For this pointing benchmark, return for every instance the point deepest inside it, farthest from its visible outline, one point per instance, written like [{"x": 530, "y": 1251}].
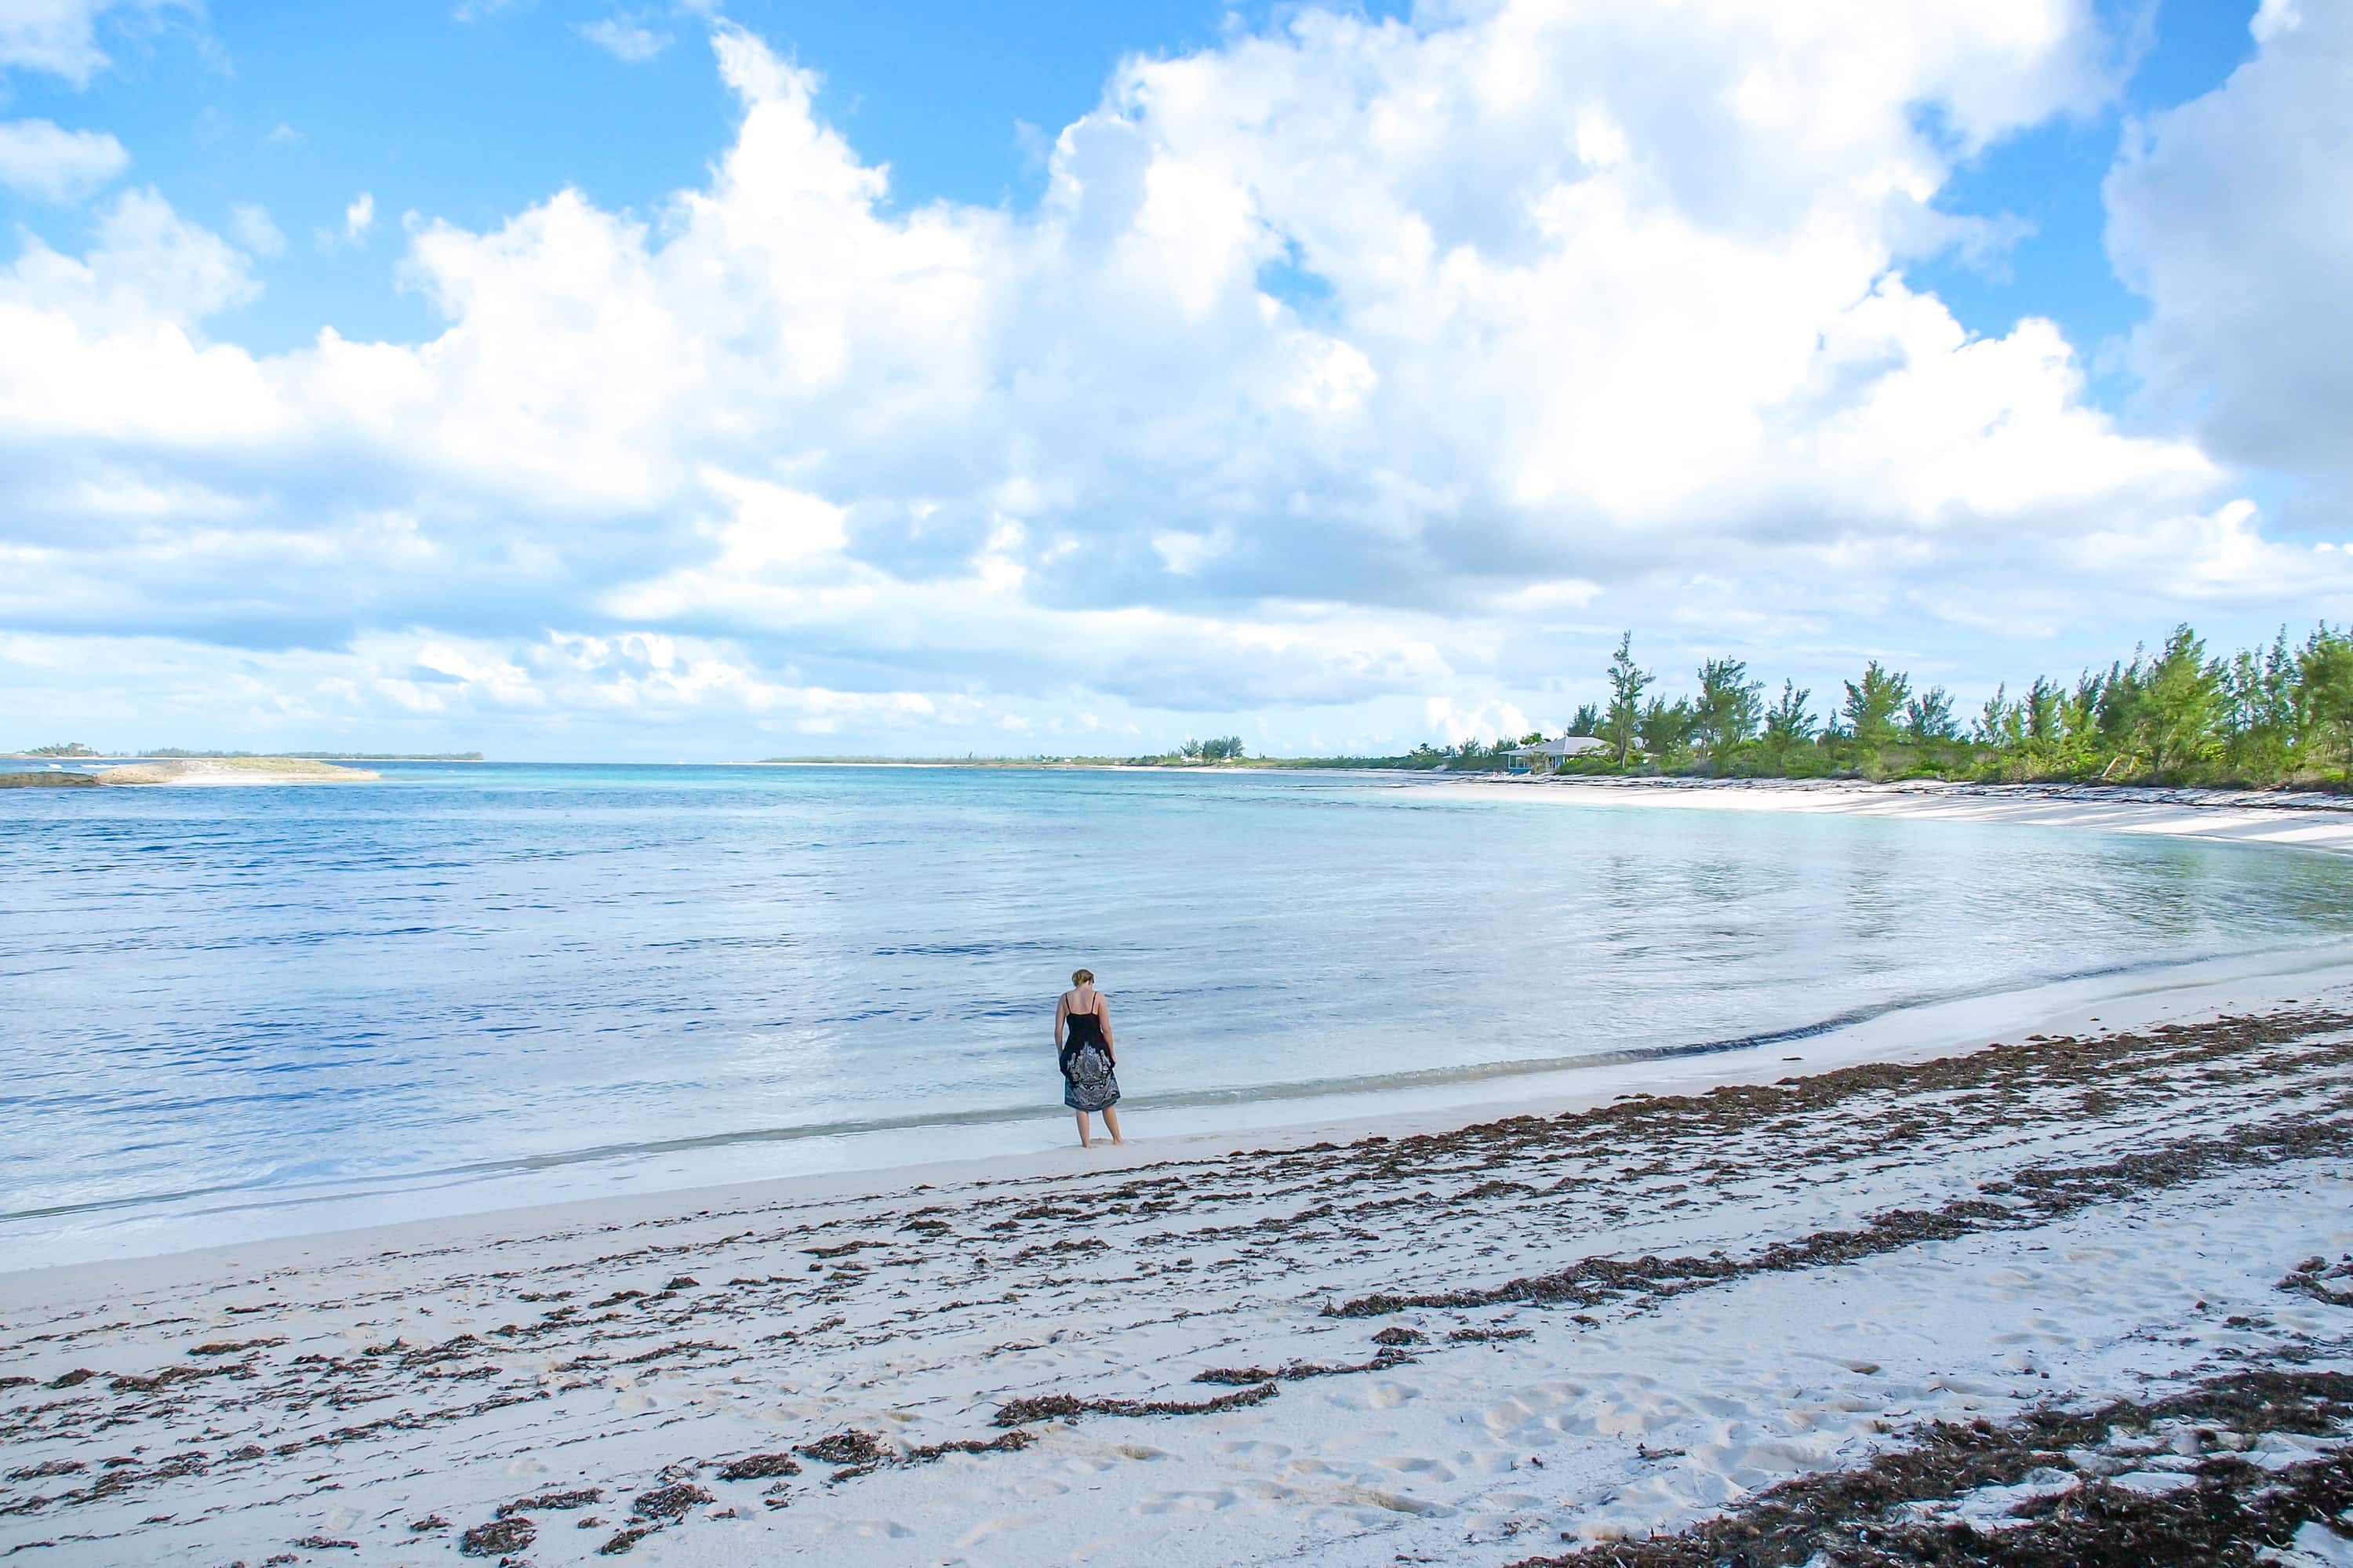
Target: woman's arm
[
  {"x": 1102, "y": 1011},
  {"x": 1062, "y": 1009}
]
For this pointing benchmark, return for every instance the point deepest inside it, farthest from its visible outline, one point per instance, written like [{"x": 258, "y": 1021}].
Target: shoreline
[
  {"x": 2295, "y": 819},
  {"x": 2141, "y": 997},
  {"x": 1462, "y": 1343}
]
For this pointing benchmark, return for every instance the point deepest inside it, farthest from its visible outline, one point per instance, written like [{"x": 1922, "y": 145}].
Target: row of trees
[
  {"x": 1222, "y": 748},
  {"x": 2263, "y": 716}
]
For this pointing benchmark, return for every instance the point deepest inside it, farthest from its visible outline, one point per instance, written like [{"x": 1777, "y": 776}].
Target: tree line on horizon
[
  {"x": 2261, "y": 717},
  {"x": 1219, "y": 748}
]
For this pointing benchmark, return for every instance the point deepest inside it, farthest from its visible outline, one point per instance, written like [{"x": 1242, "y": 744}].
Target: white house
[{"x": 1546, "y": 756}]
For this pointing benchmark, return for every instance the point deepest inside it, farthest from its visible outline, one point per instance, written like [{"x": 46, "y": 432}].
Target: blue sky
[{"x": 1332, "y": 377}]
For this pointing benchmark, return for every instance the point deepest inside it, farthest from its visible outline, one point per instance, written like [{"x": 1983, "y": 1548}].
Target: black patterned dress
[{"x": 1088, "y": 1082}]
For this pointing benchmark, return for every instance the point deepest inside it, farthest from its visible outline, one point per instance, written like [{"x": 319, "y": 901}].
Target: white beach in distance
[{"x": 927, "y": 1365}]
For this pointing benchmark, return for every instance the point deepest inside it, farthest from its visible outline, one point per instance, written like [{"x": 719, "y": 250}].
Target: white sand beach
[
  {"x": 1627, "y": 1301},
  {"x": 2302, "y": 820}
]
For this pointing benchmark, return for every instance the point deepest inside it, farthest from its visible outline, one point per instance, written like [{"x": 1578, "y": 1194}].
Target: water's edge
[{"x": 271, "y": 1210}]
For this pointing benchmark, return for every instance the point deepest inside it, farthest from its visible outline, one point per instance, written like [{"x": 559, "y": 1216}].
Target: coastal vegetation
[{"x": 2262, "y": 716}]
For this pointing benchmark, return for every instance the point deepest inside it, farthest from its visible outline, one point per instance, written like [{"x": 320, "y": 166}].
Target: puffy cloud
[
  {"x": 2229, "y": 213},
  {"x": 39, "y": 160},
  {"x": 61, "y": 36},
  {"x": 250, "y": 222},
  {"x": 1351, "y": 365},
  {"x": 1451, "y": 721},
  {"x": 360, "y": 217},
  {"x": 628, "y": 38}
]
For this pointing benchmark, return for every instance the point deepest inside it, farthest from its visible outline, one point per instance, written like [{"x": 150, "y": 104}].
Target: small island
[{"x": 235, "y": 771}]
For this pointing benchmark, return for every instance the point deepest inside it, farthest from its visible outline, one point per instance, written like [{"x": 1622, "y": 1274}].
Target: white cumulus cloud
[
  {"x": 250, "y": 222},
  {"x": 629, "y": 39},
  {"x": 2230, "y": 213},
  {"x": 40, "y": 160},
  {"x": 62, "y": 37}
]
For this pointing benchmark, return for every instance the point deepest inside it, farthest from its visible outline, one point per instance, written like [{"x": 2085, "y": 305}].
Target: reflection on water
[{"x": 466, "y": 968}]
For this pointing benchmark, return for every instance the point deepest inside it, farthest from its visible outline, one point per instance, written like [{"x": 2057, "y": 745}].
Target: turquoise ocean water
[{"x": 224, "y": 1002}]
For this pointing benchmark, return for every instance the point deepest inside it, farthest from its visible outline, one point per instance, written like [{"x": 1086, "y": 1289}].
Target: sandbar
[{"x": 221, "y": 771}]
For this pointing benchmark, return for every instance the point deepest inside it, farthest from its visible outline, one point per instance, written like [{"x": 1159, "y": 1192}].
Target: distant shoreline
[
  {"x": 60, "y": 758},
  {"x": 2291, "y": 819}
]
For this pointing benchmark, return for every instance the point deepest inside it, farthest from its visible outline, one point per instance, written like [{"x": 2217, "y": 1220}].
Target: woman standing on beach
[{"x": 1082, "y": 1043}]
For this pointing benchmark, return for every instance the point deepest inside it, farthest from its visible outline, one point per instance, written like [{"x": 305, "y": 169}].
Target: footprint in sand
[
  {"x": 1506, "y": 1416},
  {"x": 1125, "y": 1548},
  {"x": 1246, "y": 1448},
  {"x": 1187, "y": 1502},
  {"x": 987, "y": 1528},
  {"x": 1389, "y": 1395},
  {"x": 1398, "y": 1502},
  {"x": 1416, "y": 1465},
  {"x": 873, "y": 1528}
]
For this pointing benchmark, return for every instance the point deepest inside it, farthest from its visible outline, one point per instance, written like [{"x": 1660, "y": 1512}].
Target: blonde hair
[{"x": 1082, "y": 976}]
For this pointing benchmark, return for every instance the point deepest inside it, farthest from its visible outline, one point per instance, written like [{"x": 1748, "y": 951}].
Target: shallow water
[{"x": 227, "y": 999}]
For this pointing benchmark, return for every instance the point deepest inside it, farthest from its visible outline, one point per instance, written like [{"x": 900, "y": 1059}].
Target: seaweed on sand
[
  {"x": 498, "y": 1538},
  {"x": 2036, "y": 1195},
  {"x": 1067, "y": 1408},
  {"x": 1887, "y": 1513},
  {"x": 554, "y": 1501},
  {"x": 668, "y": 1502},
  {"x": 1387, "y": 1356}
]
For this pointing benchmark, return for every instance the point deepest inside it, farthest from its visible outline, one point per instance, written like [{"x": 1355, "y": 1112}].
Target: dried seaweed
[
  {"x": 1070, "y": 1407},
  {"x": 497, "y": 1538},
  {"x": 1872, "y": 1517}
]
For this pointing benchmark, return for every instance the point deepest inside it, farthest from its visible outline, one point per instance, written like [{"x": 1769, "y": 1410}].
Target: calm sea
[{"x": 228, "y": 1009}]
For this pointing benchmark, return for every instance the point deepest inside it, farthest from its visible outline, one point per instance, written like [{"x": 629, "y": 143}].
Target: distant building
[{"x": 1546, "y": 755}]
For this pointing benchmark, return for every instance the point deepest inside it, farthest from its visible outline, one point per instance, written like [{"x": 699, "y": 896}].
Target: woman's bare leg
[
  {"x": 1084, "y": 1141},
  {"x": 1111, "y": 1120}
]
